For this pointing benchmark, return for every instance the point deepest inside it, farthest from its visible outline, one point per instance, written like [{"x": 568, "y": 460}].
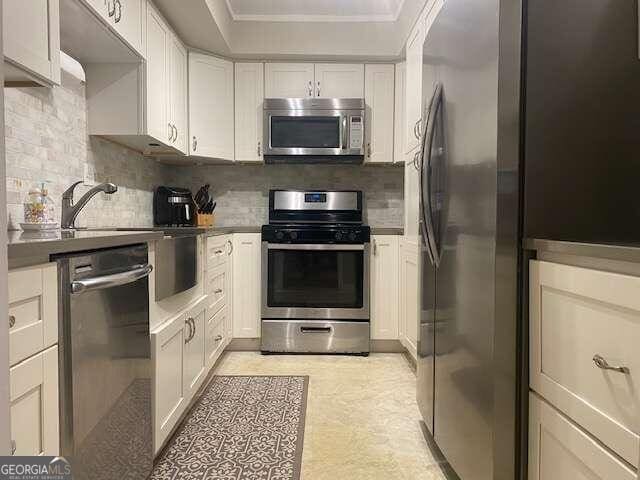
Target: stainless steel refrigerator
[{"x": 531, "y": 120}]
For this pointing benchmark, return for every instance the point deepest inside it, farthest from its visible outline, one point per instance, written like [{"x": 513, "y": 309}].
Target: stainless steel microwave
[{"x": 302, "y": 130}]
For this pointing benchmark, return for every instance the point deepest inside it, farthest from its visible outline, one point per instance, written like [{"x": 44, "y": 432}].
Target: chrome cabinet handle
[
  {"x": 318, "y": 94},
  {"x": 259, "y": 148},
  {"x": 310, "y": 89},
  {"x": 189, "y": 324},
  {"x": 416, "y": 129},
  {"x": 109, "y": 11},
  {"x": 602, "y": 364},
  {"x": 13, "y": 447},
  {"x": 230, "y": 247},
  {"x": 170, "y": 131},
  {"x": 369, "y": 149},
  {"x": 194, "y": 143},
  {"x": 217, "y": 290},
  {"x": 175, "y": 137},
  {"x": 217, "y": 338},
  {"x": 218, "y": 252},
  {"x": 12, "y": 321},
  {"x": 119, "y": 15},
  {"x": 375, "y": 247}
]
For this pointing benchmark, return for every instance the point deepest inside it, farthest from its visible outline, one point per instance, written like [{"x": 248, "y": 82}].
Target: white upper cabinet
[
  {"x": 127, "y": 17},
  {"x": 128, "y": 21},
  {"x": 31, "y": 41},
  {"x": 304, "y": 80},
  {"x": 158, "y": 35},
  {"x": 339, "y": 80},
  {"x": 178, "y": 94},
  {"x": 379, "y": 121},
  {"x": 384, "y": 287},
  {"x": 413, "y": 106},
  {"x": 249, "y": 93},
  {"x": 289, "y": 80},
  {"x": 400, "y": 119},
  {"x": 211, "y": 107}
]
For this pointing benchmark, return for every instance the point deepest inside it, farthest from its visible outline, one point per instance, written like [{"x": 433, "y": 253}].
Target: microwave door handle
[{"x": 344, "y": 133}]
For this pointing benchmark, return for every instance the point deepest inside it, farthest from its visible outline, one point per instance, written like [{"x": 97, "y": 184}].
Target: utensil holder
[{"x": 204, "y": 219}]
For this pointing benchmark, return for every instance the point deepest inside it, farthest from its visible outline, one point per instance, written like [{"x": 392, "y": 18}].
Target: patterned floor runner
[{"x": 242, "y": 428}]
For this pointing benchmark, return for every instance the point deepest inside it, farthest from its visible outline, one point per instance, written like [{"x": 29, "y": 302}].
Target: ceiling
[
  {"x": 311, "y": 30},
  {"x": 315, "y": 10}
]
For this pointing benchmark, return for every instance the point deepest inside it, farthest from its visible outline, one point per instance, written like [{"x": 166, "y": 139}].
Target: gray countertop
[
  {"x": 28, "y": 248},
  {"x": 627, "y": 253},
  {"x": 36, "y": 247}
]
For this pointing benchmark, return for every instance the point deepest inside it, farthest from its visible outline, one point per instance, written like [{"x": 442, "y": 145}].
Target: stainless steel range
[{"x": 315, "y": 273}]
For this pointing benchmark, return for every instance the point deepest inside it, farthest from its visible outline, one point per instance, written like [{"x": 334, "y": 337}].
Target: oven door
[
  {"x": 315, "y": 281},
  {"x": 310, "y": 133}
]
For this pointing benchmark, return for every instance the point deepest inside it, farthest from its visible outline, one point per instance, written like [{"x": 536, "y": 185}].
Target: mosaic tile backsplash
[{"x": 46, "y": 140}]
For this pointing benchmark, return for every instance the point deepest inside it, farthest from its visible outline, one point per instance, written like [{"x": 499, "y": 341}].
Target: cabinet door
[
  {"x": 128, "y": 19},
  {"x": 413, "y": 108},
  {"x": 170, "y": 397},
  {"x": 288, "y": 80},
  {"x": 558, "y": 449},
  {"x": 157, "y": 77},
  {"x": 178, "y": 93},
  {"x": 249, "y": 91},
  {"x": 409, "y": 296},
  {"x": 246, "y": 285},
  {"x": 34, "y": 404},
  {"x": 195, "y": 362},
  {"x": 400, "y": 118},
  {"x": 210, "y": 107},
  {"x": 384, "y": 287},
  {"x": 379, "y": 99},
  {"x": 339, "y": 80},
  {"x": 33, "y": 310},
  {"x": 31, "y": 38}
]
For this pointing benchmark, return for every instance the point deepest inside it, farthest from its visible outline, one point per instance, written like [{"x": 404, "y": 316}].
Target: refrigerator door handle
[{"x": 427, "y": 207}]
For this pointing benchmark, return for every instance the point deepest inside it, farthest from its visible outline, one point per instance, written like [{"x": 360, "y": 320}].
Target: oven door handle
[{"x": 314, "y": 246}]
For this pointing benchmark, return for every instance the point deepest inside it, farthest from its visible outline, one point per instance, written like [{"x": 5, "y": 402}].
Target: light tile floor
[{"x": 362, "y": 418}]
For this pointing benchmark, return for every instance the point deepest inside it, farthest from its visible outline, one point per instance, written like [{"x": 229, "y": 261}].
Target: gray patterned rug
[{"x": 242, "y": 428}]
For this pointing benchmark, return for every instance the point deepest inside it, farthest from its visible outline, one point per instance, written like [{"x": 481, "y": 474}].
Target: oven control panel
[{"x": 321, "y": 234}]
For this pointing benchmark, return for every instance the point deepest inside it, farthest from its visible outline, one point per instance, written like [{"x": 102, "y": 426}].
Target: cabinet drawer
[
  {"x": 558, "y": 449},
  {"x": 218, "y": 250},
  {"x": 34, "y": 404},
  {"x": 33, "y": 310},
  {"x": 216, "y": 288},
  {"x": 216, "y": 339},
  {"x": 575, "y": 314}
]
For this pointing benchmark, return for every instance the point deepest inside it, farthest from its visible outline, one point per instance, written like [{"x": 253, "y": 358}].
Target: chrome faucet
[{"x": 70, "y": 210}]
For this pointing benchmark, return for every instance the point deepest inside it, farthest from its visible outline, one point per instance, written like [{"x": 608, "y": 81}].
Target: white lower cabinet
[
  {"x": 384, "y": 287},
  {"x": 247, "y": 284},
  {"x": 170, "y": 397},
  {"x": 560, "y": 450},
  {"x": 195, "y": 358},
  {"x": 409, "y": 295},
  {"x": 34, "y": 404},
  {"x": 33, "y": 310}
]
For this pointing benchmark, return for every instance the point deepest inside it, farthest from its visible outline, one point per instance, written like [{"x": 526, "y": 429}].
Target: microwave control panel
[{"x": 356, "y": 132}]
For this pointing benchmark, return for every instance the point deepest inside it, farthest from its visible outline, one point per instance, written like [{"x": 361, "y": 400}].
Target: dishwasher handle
[{"x": 108, "y": 281}]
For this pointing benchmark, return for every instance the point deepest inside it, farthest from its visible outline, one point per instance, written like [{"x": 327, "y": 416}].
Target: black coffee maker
[{"x": 173, "y": 207}]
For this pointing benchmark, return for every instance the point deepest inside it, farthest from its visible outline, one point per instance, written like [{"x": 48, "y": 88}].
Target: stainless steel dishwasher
[{"x": 105, "y": 364}]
